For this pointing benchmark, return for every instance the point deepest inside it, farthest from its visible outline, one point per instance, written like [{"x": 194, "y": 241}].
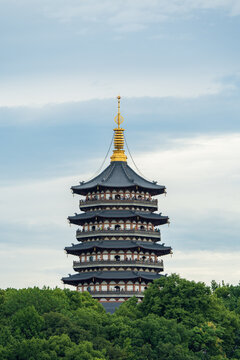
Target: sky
[{"x": 177, "y": 67}]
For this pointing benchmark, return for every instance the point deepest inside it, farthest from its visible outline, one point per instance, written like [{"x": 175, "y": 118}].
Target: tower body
[{"x": 118, "y": 251}]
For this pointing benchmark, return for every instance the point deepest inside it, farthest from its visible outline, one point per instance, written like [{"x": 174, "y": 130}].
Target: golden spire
[{"x": 118, "y": 152}]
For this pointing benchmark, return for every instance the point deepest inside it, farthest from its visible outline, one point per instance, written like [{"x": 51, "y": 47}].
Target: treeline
[{"x": 177, "y": 320}]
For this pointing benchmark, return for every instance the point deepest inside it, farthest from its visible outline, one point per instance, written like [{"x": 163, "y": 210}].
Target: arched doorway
[
  {"x": 117, "y": 197},
  {"x": 117, "y": 258},
  {"x": 117, "y": 288},
  {"x": 117, "y": 227}
]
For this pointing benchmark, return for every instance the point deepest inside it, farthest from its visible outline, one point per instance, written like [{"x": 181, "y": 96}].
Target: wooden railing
[
  {"x": 150, "y": 202},
  {"x": 119, "y": 262},
  {"x": 115, "y": 292},
  {"x": 110, "y": 232}
]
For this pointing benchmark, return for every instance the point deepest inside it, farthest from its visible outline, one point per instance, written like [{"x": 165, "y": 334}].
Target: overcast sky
[{"x": 177, "y": 66}]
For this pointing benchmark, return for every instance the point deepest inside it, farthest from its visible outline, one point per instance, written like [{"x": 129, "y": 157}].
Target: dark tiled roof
[
  {"x": 110, "y": 275},
  {"x": 118, "y": 175},
  {"x": 118, "y": 244},
  {"x": 156, "y": 219}
]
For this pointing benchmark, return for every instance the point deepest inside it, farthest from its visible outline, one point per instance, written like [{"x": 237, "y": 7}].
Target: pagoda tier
[
  {"x": 112, "y": 285},
  {"x": 118, "y": 254},
  {"x": 140, "y": 246},
  {"x": 82, "y": 219}
]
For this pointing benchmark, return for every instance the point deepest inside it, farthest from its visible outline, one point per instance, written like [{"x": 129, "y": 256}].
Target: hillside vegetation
[{"x": 177, "y": 320}]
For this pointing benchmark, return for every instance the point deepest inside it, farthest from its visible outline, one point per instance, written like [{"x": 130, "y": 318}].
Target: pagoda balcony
[
  {"x": 150, "y": 203},
  {"x": 158, "y": 265},
  {"x": 116, "y": 294},
  {"x": 80, "y": 234}
]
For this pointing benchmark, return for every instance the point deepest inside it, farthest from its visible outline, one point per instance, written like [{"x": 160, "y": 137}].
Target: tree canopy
[{"x": 177, "y": 320}]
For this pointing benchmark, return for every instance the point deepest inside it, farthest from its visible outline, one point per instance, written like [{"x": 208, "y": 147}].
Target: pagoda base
[{"x": 111, "y": 306}]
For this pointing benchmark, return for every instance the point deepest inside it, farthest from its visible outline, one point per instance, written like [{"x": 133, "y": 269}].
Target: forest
[{"x": 177, "y": 320}]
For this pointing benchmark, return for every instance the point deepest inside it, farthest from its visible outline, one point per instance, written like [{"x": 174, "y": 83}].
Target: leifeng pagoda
[{"x": 118, "y": 253}]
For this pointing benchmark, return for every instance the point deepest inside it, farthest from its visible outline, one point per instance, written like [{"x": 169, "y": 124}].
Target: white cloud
[
  {"x": 28, "y": 267},
  {"x": 205, "y": 265},
  {"x": 41, "y": 203},
  {"x": 201, "y": 174},
  {"x": 63, "y": 89},
  {"x": 132, "y": 15}
]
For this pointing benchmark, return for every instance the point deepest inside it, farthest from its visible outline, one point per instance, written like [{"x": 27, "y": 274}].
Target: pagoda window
[
  {"x": 105, "y": 256},
  {"x": 106, "y": 226},
  {"x": 112, "y": 255},
  {"x": 128, "y": 225}
]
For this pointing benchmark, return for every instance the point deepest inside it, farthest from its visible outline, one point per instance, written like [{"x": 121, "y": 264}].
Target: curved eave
[
  {"x": 110, "y": 275},
  {"x": 80, "y": 219},
  {"x": 118, "y": 244},
  {"x": 118, "y": 175},
  {"x": 80, "y": 190}
]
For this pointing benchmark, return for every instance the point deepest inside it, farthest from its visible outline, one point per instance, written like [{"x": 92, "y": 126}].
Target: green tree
[{"x": 27, "y": 322}]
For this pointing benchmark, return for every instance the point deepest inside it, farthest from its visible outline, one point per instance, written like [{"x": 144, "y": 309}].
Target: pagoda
[{"x": 118, "y": 253}]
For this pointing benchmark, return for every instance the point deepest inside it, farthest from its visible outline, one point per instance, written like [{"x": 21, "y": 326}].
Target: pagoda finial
[
  {"x": 118, "y": 152},
  {"x": 118, "y": 119}
]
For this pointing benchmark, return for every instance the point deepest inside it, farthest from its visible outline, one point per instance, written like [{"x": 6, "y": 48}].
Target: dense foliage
[{"x": 177, "y": 320}]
